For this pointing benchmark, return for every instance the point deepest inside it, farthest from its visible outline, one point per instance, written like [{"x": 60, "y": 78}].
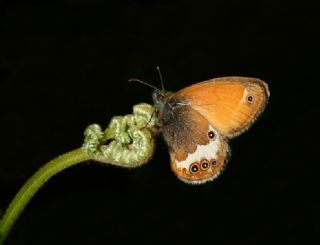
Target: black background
[{"x": 65, "y": 64}]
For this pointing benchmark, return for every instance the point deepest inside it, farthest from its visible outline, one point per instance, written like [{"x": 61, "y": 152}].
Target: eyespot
[
  {"x": 250, "y": 99},
  {"x": 211, "y": 135},
  {"x": 205, "y": 164},
  {"x": 213, "y": 162},
  {"x": 194, "y": 168}
]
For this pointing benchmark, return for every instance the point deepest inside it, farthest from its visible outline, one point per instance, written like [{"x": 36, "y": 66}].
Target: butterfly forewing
[{"x": 230, "y": 104}]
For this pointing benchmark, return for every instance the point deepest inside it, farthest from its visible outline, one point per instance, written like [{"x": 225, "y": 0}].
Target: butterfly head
[
  {"x": 159, "y": 100},
  {"x": 163, "y": 105}
]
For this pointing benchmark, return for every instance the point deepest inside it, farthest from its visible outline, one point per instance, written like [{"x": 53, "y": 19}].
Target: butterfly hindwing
[{"x": 198, "y": 152}]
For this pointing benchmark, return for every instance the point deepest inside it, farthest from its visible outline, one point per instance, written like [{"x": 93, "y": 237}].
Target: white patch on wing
[
  {"x": 208, "y": 151},
  {"x": 244, "y": 96}
]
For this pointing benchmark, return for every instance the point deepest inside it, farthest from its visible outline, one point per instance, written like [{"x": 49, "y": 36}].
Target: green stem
[
  {"x": 34, "y": 184},
  {"x": 127, "y": 142}
]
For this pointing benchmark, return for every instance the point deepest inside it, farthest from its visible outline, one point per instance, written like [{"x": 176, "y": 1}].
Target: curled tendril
[{"x": 128, "y": 141}]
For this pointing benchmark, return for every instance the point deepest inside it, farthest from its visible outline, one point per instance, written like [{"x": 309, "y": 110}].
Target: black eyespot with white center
[
  {"x": 211, "y": 135},
  {"x": 213, "y": 162},
  {"x": 194, "y": 168},
  {"x": 250, "y": 99},
  {"x": 205, "y": 164}
]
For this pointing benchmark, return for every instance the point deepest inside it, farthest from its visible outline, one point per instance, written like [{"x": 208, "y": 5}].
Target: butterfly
[{"x": 197, "y": 122}]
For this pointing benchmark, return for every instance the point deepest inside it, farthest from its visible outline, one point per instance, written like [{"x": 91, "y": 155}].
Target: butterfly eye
[
  {"x": 211, "y": 135},
  {"x": 194, "y": 168},
  {"x": 205, "y": 164},
  {"x": 250, "y": 99},
  {"x": 213, "y": 162}
]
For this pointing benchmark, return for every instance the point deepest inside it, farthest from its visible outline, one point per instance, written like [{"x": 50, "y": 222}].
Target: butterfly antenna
[
  {"x": 153, "y": 113},
  {"x": 147, "y": 84},
  {"x": 162, "y": 88}
]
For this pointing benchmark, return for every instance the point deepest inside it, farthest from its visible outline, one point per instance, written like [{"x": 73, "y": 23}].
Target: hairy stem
[
  {"x": 34, "y": 184},
  {"x": 128, "y": 142}
]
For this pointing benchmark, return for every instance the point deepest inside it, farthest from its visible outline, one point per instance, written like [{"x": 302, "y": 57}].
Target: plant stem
[
  {"x": 34, "y": 184},
  {"x": 128, "y": 142}
]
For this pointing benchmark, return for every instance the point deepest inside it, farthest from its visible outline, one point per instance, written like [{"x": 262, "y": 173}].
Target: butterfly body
[{"x": 197, "y": 121}]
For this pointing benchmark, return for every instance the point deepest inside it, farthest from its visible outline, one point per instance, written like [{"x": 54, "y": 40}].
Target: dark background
[{"x": 65, "y": 64}]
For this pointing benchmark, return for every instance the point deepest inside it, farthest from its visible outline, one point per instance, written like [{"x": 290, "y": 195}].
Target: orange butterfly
[{"x": 197, "y": 121}]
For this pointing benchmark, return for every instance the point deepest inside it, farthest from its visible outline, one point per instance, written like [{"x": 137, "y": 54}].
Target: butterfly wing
[
  {"x": 198, "y": 152},
  {"x": 230, "y": 104}
]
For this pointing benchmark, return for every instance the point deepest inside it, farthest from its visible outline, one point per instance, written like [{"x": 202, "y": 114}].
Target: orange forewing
[{"x": 225, "y": 102}]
